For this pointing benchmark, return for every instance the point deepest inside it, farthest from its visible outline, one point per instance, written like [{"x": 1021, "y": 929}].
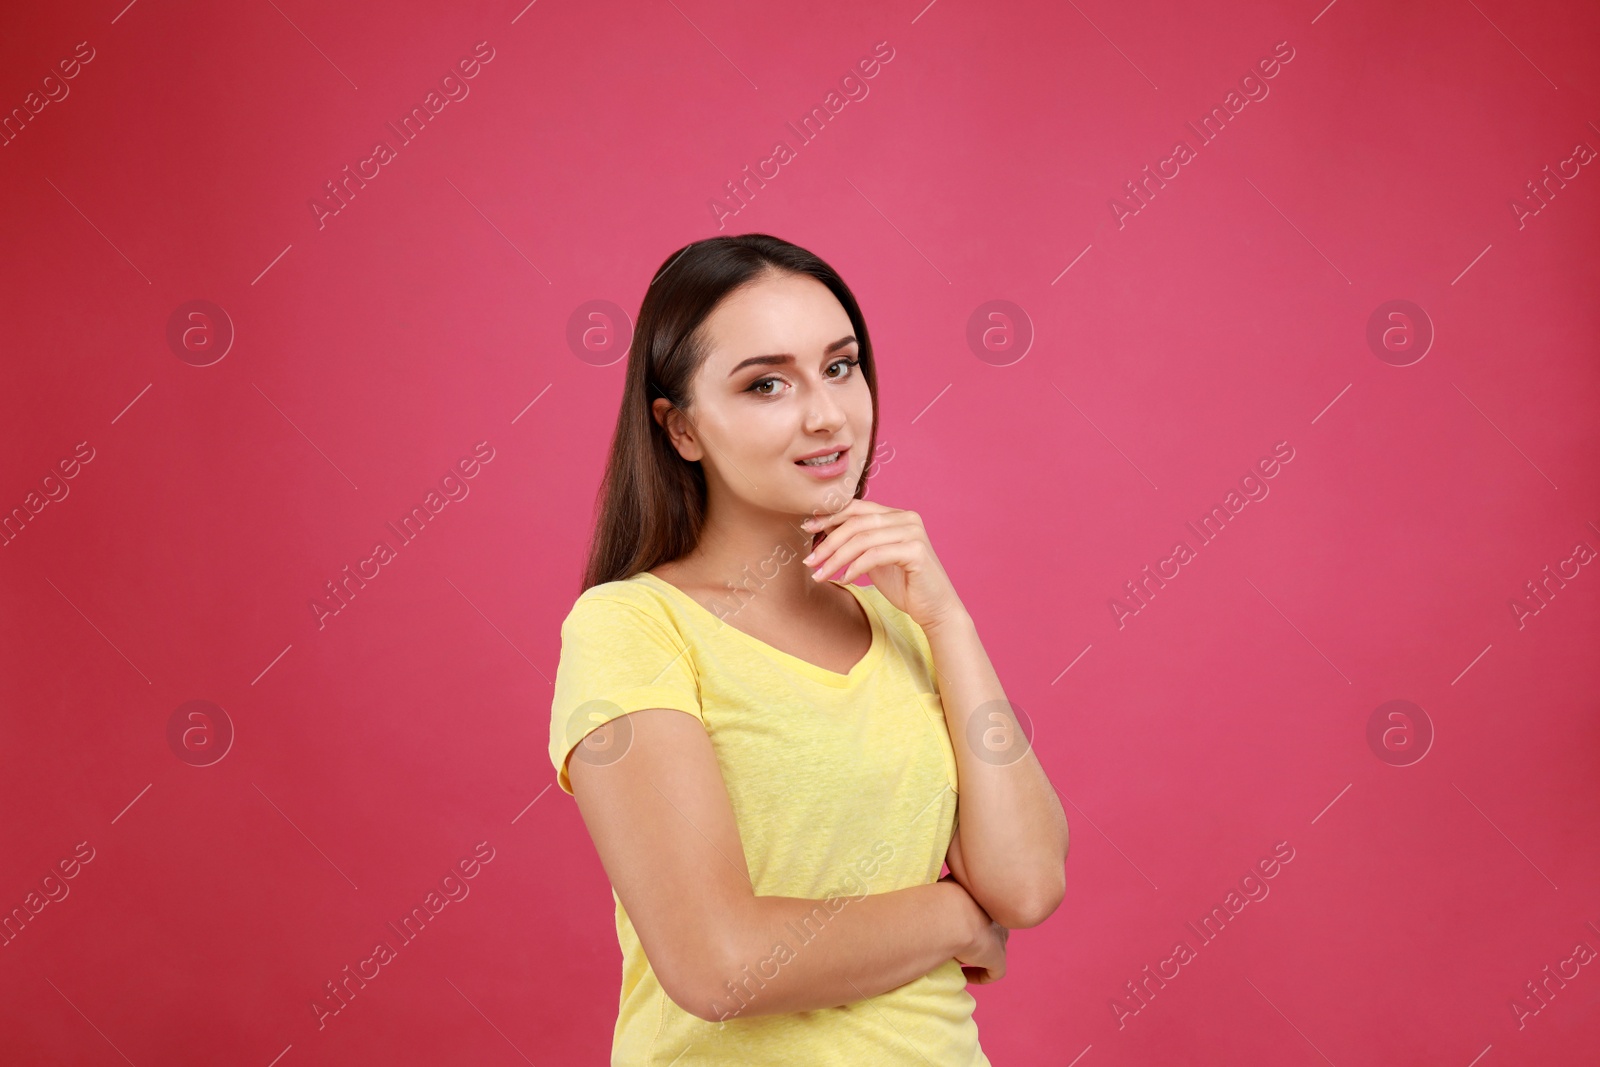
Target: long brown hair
[{"x": 652, "y": 502}]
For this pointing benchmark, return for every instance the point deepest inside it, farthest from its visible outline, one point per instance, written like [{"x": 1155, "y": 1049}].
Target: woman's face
[{"x": 780, "y": 382}]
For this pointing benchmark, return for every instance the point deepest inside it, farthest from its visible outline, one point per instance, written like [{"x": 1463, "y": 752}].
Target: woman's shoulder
[
  {"x": 890, "y": 614},
  {"x": 882, "y": 603},
  {"x": 898, "y": 620},
  {"x": 630, "y": 591},
  {"x": 624, "y": 604}
]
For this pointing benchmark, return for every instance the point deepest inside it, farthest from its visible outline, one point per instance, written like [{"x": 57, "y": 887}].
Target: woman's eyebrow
[{"x": 784, "y": 357}]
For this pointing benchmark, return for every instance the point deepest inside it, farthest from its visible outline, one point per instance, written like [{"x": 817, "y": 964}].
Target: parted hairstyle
[{"x": 652, "y": 502}]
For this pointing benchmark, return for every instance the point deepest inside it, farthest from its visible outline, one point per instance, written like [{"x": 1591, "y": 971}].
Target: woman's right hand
[{"x": 984, "y": 960}]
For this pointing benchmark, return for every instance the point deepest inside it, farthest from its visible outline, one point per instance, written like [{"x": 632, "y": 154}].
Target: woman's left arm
[{"x": 1011, "y": 834}]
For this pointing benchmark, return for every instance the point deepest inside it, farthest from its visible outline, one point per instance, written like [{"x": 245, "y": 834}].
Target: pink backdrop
[{"x": 234, "y": 366}]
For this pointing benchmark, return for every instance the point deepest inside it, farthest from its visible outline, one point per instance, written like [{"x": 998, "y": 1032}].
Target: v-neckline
[{"x": 811, "y": 670}]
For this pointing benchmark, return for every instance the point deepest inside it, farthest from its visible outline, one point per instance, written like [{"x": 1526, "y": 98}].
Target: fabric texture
[{"x": 842, "y": 785}]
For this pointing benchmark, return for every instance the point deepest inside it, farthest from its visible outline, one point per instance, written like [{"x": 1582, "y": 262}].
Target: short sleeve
[
  {"x": 914, "y": 635},
  {"x": 617, "y": 657},
  {"x": 920, "y": 637}
]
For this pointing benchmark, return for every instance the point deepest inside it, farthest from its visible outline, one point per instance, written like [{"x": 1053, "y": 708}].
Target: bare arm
[
  {"x": 1010, "y": 841},
  {"x": 1010, "y": 844},
  {"x": 869, "y": 946},
  {"x": 664, "y": 827}
]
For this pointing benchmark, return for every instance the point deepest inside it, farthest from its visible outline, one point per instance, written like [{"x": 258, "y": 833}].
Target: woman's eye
[{"x": 756, "y": 386}]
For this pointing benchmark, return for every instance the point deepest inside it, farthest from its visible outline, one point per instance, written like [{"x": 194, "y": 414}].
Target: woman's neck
[{"x": 766, "y": 563}]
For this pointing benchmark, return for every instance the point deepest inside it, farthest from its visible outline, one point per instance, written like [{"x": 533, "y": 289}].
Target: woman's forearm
[
  {"x": 1011, "y": 828},
  {"x": 788, "y": 954}
]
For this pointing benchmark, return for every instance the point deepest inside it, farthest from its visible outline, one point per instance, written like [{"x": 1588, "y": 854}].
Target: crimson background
[{"x": 1170, "y": 351}]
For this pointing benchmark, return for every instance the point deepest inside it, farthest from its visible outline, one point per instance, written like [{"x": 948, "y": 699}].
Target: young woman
[{"x": 767, "y": 755}]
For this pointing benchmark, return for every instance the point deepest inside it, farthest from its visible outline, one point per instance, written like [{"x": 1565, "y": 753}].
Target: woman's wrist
[{"x": 970, "y": 923}]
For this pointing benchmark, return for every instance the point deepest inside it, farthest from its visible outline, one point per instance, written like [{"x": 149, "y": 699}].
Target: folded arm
[
  {"x": 1010, "y": 843},
  {"x": 665, "y": 831}
]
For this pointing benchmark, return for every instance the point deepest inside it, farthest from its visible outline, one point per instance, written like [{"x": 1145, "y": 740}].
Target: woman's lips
[{"x": 832, "y": 470}]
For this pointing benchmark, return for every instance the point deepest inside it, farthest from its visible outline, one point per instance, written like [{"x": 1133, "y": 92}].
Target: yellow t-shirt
[{"x": 843, "y": 785}]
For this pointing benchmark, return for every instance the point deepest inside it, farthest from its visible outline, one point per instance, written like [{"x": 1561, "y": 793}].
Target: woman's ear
[{"x": 680, "y": 431}]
